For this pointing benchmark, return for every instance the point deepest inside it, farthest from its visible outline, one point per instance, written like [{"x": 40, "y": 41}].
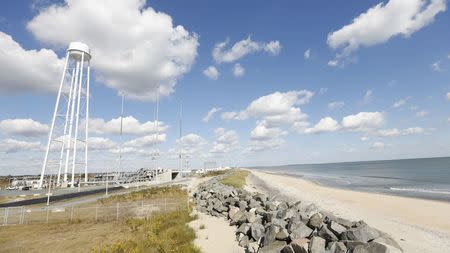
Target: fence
[{"x": 116, "y": 211}]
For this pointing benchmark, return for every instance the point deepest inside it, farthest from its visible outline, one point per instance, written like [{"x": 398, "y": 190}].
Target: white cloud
[
  {"x": 146, "y": 141},
  {"x": 368, "y": 97},
  {"x": 27, "y": 70},
  {"x": 421, "y": 113},
  {"x": 363, "y": 121},
  {"x": 335, "y": 105},
  {"x": 448, "y": 96},
  {"x": 384, "y": 21},
  {"x": 243, "y": 48},
  {"x": 13, "y": 146},
  {"x": 401, "y": 102},
  {"x": 413, "y": 130},
  {"x": 326, "y": 124},
  {"x": 276, "y": 108},
  {"x": 378, "y": 145},
  {"x": 25, "y": 127},
  {"x": 263, "y": 132},
  {"x": 227, "y": 141},
  {"x": 364, "y": 138},
  {"x": 264, "y": 145},
  {"x": 191, "y": 143},
  {"x": 211, "y": 113},
  {"x": 211, "y": 72},
  {"x": 394, "y": 132},
  {"x": 100, "y": 143},
  {"x": 130, "y": 126},
  {"x": 436, "y": 66},
  {"x": 135, "y": 48},
  {"x": 333, "y": 63},
  {"x": 307, "y": 54},
  {"x": 238, "y": 70},
  {"x": 323, "y": 91},
  {"x": 389, "y": 132}
]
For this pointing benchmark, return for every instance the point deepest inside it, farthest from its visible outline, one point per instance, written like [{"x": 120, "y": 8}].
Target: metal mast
[
  {"x": 181, "y": 143},
  {"x": 156, "y": 133},
  {"x": 67, "y": 120},
  {"x": 120, "y": 137}
]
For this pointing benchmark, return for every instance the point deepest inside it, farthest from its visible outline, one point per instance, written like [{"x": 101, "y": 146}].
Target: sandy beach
[{"x": 418, "y": 225}]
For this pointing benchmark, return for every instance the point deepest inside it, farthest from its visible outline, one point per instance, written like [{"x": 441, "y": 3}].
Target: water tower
[{"x": 67, "y": 147}]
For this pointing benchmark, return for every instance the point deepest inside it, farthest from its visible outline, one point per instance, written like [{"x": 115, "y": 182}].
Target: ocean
[{"x": 427, "y": 178}]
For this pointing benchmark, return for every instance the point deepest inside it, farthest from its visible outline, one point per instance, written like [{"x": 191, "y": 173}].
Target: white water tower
[{"x": 67, "y": 147}]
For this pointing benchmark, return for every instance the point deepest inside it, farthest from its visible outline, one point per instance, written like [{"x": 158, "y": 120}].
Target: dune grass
[
  {"x": 235, "y": 179},
  {"x": 214, "y": 173},
  {"x": 173, "y": 192}
]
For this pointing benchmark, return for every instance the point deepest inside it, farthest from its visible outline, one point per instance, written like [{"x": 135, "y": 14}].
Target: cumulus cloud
[
  {"x": 226, "y": 141},
  {"x": 243, "y": 48},
  {"x": 335, "y": 105},
  {"x": 394, "y": 132},
  {"x": 368, "y": 97},
  {"x": 436, "y": 66},
  {"x": 364, "y": 138},
  {"x": 448, "y": 96},
  {"x": 276, "y": 108},
  {"x": 211, "y": 72},
  {"x": 191, "y": 143},
  {"x": 238, "y": 70},
  {"x": 264, "y": 145},
  {"x": 307, "y": 54},
  {"x": 135, "y": 48},
  {"x": 263, "y": 132},
  {"x": 363, "y": 121},
  {"x": 24, "y": 127},
  {"x": 211, "y": 113},
  {"x": 384, "y": 21},
  {"x": 401, "y": 102},
  {"x": 146, "y": 141},
  {"x": 27, "y": 70},
  {"x": 323, "y": 91},
  {"x": 421, "y": 113},
  {"x": 130, "y": 126},
  {"x": 100, "y": 143},
  {"x": 326, "y": 124},
  {"x": 378, "y": 145},
  {"x": 13, "y": 146}
]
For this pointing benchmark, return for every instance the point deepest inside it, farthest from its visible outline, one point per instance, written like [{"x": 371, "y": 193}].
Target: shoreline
[
  {"x": 419, "y": 225},
  {"x": 302, "y": 177}
]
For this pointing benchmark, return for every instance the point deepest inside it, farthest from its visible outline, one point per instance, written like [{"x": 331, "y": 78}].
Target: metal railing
[{"x": 98, "y": 212}]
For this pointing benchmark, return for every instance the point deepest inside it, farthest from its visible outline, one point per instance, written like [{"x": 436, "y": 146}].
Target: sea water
[{"x": 427, "y": 178}]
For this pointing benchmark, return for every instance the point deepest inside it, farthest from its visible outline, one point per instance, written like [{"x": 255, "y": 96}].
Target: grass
[
  {"x": 202, "y": 226},
  {"x": 173, "y": 192},
  {"x": 214, "y": 173},
  {"x": 161, "y": 233},
  {"x": 4, "y": 182},
  {"x": 235, "y": 179}
]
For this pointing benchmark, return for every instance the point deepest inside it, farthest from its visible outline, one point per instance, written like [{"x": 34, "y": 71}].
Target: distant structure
[
  {"x": 70, "y": 118},
  {"x": 210, "y": 165}
]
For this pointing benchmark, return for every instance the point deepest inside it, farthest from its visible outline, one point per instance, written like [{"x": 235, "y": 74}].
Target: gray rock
[
  {"x": 389, "y": 242},
  {"x": 244, "y": 242},
  {"x": 270, "y": 234},
  {"x": 300, "y": 245},
  {"x": 271, "y": 205},
  {"x": 326, "y": 234},
  {"x": 362, "y": 233},
  {"x": 352, "y": 244},
  {"x": 243, "y": 205},
  {"x": 282, "y": 235},
  {"x": 253, "y": 247},
  {"x": 244, "y": 229},
  {"x": 254, "y": 203},
  {"x": 238, "y": 218},
  {"x": 315, "y": 221},
  {"x": 300, "y": 230},
  {"x": 257, "y": 231},
  {"x": 274, "y": 247},
  {"x": 287, "y": 249},
  {"x": 337, "y": 228},
  {"x": 317, "y": 245},
  {"x": 371, "y": 247},
  {"x": 336, "y": 247},
  {"x": 279, "y": 222}
]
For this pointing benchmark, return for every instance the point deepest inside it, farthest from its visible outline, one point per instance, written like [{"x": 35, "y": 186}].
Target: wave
[{"x": 421, "y": 190}]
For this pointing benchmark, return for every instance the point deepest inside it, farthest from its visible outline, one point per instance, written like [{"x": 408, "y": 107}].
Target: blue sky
[{"x": 360, "y": 80}]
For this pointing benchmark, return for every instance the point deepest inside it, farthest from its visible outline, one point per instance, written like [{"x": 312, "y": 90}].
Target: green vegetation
[
  {"x": 235, "y": 178},
  {"x": 4, "y": 182},
  {"x": 214, "y": 173},
  {"x": 162, "y": 233},
  {"x": 173, "y": 192}
]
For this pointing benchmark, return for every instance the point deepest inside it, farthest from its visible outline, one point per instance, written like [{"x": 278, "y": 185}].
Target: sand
[{"x": 418, "y": 225}]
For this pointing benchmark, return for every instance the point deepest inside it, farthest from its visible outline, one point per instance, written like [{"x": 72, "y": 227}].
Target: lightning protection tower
[{"x": 69, "y": 129}]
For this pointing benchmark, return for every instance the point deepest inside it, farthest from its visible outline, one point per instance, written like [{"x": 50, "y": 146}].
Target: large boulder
[
  {"x": 300, "y": 245},
  {"x": 336, "y": 247},
  {"x": 326, "y": 234},
  {"x": 274, "y": 247},
  {"x": 270, "y": 234},
  {"x": 317, "y": 245},
  {"x": 362, "y": 233},
  {"x": 337, "y": 228},
  {"x": 282, "y": 235},
  {"x": 371, "y": 247},
  {"x": 257, "y": 231},
  {"x": 238, "y": 218},
  {"x": 300, "y": 230},
  {"x": 244, "y": 229},
  {"x": 315, "y": 221}
]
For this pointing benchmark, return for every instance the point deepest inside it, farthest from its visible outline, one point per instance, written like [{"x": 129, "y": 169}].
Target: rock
[
  {"x": 300, "y": 230},
  {"x": 274, "y": 247},
  {"x": 336, "y": 247},
  {"x": 389, "y": 242},
  {"x": 282, "y": 235},
  {"x": 287, "y": 249},
  {"x": 326, "y": 234},
  {"x": 253, "y": 247},
  {"x": 362, "y": 233},
  {"x": 244, "y": 229},
  {"x": 271, "y": 206},
  {"x": 336, "y": 228},
  {"x": 300, "y": 245},
  {"x": 281, "y": 214},
  {"x": 257, "y": 231},
  {"x": 279, "y": 222},
  {"x": 270, "y": 234},
  {"x": 352, "y": 244},
  {"x": 254, "y": 203},
  {"x": 282, "y": 206},
  {"x": 317, "y": 245},
  {"x": 371, "y": 247},
  {"x": 244, "y": 242},
  {"x": 233, "y": 210},
  {"x": 238, "y": 218},
  {"x": 202, "y": 203},
  {"x": 315, "y": 221}
]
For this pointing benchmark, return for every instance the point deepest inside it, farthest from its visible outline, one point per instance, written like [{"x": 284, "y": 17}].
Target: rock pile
[{"x": 268, "y": 225}]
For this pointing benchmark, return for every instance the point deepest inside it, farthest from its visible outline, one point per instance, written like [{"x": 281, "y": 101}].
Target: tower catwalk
[{"x": 70, "y": 118}]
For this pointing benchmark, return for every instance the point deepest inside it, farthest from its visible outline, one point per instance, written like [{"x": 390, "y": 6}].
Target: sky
[{"x": 259, "y": 82}]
